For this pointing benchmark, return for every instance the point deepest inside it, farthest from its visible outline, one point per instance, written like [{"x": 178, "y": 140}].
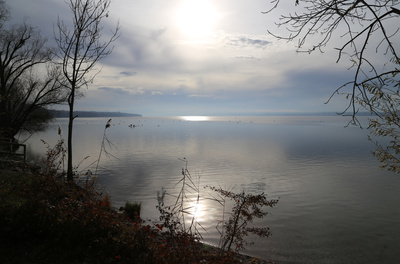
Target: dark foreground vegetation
[{"x": 45, "y": 219}]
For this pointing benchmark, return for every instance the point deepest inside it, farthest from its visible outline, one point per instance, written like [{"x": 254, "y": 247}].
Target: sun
[{"x": 196, "y": 18}]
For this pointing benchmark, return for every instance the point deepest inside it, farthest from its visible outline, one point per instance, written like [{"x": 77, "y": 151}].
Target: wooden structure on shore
[{"x": 9, "y": 149}]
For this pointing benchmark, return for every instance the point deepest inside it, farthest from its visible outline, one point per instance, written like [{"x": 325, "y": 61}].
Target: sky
[{"x": 199, "y": 57}]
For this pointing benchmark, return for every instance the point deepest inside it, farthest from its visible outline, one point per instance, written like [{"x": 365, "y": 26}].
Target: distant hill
[{"x": 64, "y": 113}]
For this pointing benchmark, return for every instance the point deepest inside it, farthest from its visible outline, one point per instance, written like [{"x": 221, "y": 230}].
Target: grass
[{"x": 44, "y": 219}]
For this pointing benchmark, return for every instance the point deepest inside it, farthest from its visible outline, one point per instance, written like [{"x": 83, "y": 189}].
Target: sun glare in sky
[{"x": 196, "y": 18}]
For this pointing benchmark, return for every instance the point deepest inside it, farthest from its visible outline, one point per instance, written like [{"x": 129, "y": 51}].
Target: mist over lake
[{"x": 335, "y": 204}]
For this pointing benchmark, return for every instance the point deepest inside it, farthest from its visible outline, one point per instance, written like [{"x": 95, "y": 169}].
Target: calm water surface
[{"x": 336, "y": 205}]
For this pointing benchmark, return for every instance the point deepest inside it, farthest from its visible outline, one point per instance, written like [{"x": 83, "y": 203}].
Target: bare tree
[
  {"x": 368, "y": 35},
  {"x": 24, "y": 92},
  {"x": 80, "y": 48}
]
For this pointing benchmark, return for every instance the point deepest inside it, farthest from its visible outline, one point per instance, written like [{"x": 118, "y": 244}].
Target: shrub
[
  {"x": 247, "y": 207},
  {"x": 132, "y": 210}
]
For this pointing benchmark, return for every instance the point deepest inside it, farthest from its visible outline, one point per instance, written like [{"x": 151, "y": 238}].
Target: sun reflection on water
[
  {"x": 197, "y": 210},
  {"x": 195, "y": 118}
]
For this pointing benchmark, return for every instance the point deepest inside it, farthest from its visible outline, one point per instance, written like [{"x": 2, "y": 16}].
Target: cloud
[
  {"x": 122, "y": 91},
  {"x": 141, "y": 49},
  {"x": 201, "y": 95},
  {"x": 126, "y": 73},
  {"x": 242, "y": 41},
  {"x": 155, "y": 34},
  {"x": 246, "y": 58},
  {"x": 115, "y": 90}
]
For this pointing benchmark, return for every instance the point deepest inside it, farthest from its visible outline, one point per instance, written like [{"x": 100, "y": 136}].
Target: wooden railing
[{"x": 10, "y": 149}]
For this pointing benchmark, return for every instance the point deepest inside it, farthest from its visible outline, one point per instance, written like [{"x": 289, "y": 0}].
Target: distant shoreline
[
  {"x": 292, "y": 114},
  {"x": 64, "y": 113}
]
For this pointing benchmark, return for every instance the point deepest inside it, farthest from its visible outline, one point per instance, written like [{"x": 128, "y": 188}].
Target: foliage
[
  {"x": 247, "y": 207},
  {"x": 55, "y": 156},
  {"x": 368, "y": 31},
  {"x": 386, "y": 125},
  {"x": 24, "y": 92},
  {"x": 80, "y": 48},
  {"x": 180, "y": 217},
  {"x": 132, "y": 210},
  {"x": 38, "y": 120},
  {"x": 55, "y": 222},
  {"x": 168, "y": 218}
]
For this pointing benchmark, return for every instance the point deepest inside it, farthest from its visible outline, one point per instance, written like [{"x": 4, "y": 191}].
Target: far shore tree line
[{"x": 34, "y": 76}]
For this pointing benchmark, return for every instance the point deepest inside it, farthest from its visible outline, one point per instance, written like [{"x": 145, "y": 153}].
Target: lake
[{"x": 335, "y": 204}]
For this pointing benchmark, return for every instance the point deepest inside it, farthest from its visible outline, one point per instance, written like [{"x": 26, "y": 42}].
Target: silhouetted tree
[
  {"x": 29, "y": 81},
  {"x": 80, "y": 48},
  {"x": 368, "y": 33}
]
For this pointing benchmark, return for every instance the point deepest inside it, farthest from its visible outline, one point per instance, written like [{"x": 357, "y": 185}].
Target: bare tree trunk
[{"x": 70, "y": 175}]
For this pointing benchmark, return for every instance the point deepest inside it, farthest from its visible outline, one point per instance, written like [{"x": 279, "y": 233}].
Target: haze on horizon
[{"x": 199, "y": 57}]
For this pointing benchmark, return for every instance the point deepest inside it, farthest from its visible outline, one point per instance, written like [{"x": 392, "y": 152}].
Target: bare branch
[
  {"x": 23, "y": 93},
  {"x": 370, "y": 29}
]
